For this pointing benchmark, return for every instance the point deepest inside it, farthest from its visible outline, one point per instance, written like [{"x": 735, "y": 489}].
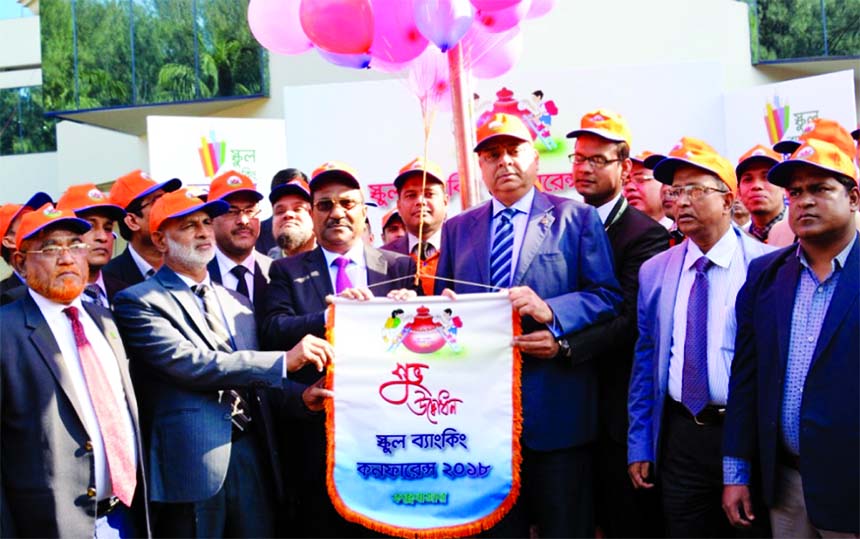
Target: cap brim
[
  {"x": 75, "y": 224},
  {"x": 213, "y": 208},
  {"x": 786, "y": 146},
  {"x": 855, "y": 134},
  {"x": 113, "y": 212},
  {"x": 258, "y": 195},
  {"x": 602, "y": 133},
  {"x": 168, "y": 187},
  {"x": 333, "y": 176},
  {"x": 664, "y": 172},
  {"x": 651, "y": 161},
  {"x": 491, "y": 137},
  {"x": 781, "y": 173},
  {"x": 401, "y": 179},
  {"x": 283, "y": 190},
  {"x": 38, "y": 200},
  {"x": 752, "y": 160}
]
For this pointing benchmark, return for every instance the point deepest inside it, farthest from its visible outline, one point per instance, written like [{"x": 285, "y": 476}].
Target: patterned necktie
[
  {"x": 423, "y": 250},
  {"x": 502, "y": 249},
  {"x": 149, "y": 273},
  {"x": 117, "y": 442},
  {"x": 242, "y": 287},
  {"x": 695, "y": 393},
  {"x": 213, "y": 316},
  {"x": 341, "y": 281},
  {"x": 93, "y": 294}
]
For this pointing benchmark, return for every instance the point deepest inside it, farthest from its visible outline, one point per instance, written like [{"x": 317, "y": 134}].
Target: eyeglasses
[
  {"x": 695, "y": 192},
  {"x": 597, "y": 161},
  {"x": 641, "y": 180},
  {"x": 55, "y": 251},
  {"x": 250, "y": 213},
  {"x": 326, "y": 205}
]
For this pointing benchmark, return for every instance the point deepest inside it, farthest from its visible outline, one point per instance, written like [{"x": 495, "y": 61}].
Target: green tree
[{"x": 788, "y": 29}]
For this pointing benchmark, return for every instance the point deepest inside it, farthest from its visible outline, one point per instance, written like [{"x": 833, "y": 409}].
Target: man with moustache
[
  {"x": 341, "y": 264},
  {"x": 600, "y": 166},
  {"x": 93, "y": 206},
  {"x": 11, "y": 288},
  {"x": 680, "y": 376},
  {"x": 268, "y": 240},
  {"x": 552, "y": 255},
  {"x": 423, "y": 206},
  {"x": 71, "y": 446},
  {"x": 193, "y": 345},
  {"x": 762, "y": 199},
  {"x": 643, "y": 192},
  {"x": 793, "y": 396},
  {"x": 135, "y": 193},
  {"x": 291, "y": 219},
  {"x": 237, "y": 264}
]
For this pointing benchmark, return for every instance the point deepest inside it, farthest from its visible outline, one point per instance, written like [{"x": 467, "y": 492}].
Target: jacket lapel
[
  {"x": 784, "y": 291},
  {"x": 183, "y": 295},
  {"x": 479, "y": 237},
  {"x": 540, "y": 221},
  {"x": 377, "y": 267},
  {"x": 317, "y": 273},
  {"x": 46, "y": 344},
  {"x": 844, "y": 298},
  {"x": 214, "y": 271},
  {"x": 668, "y": 294}
]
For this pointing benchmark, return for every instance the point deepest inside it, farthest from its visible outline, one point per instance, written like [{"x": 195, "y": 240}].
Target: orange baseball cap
[
  {"x": 829, "y": 131},
  {"x": 418, "y": 166},
  {"x": 334, "y": 171},
  {"x": 136, "y": 184},
  {"x": 85, "y": 197},
  {"x": 502, "y": 125},
  {"x": 179, "y": 203},
  {"x": 296, "y": 186},
  {"x": 815, "y": 153},
  {"x": 232, "y": 182},
  {"x": 604, "y": 123},
  {"x": 696, "y": 152},
  {"x": 757, "y": 154},
  {"x": 10, "y": 212},
  {"x": 643, "y": 156},
  {"x": 48, "y": 215},
  {"x": 390, "y": 216}
]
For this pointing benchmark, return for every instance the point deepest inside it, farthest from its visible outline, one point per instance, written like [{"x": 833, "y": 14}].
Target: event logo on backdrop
[
  {"x": 423, "y": 430},
  {"x": 781, "y": 124}
]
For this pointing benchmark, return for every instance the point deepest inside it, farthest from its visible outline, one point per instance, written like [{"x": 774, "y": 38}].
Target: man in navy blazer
[
  {"x": 554, "y": 257},
  {"x": 793, "y": 396}
]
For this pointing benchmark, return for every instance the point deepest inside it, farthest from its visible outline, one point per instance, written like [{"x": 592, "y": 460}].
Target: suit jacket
[
  {"x": 262, "y": 263},
  {"x": 649, "y": 379},
  {"x": 47, "y": 467},
  {"x": 123, "y": 270},
  {"x": 428, "y": 270},
  {"x": 634, "y": 238},
  {"x": 113, "y": 286},
  {"x": 11, "y": 289},
  {"x": 179, "y": 373},
  {"x": 565, "y": 258},
  {"x": 830, "y": 410},
  {"x": 299, "y": 284}
]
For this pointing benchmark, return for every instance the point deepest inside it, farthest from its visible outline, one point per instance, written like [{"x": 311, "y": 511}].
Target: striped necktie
[{"x": 502, "y": 249}]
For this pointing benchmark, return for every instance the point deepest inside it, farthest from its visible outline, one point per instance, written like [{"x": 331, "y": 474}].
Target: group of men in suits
[{"x": 206, "y": 418}]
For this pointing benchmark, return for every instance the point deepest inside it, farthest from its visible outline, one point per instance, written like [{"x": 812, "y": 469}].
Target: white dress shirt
[
  {"x": 604, "y": 210},
  {"x": 435, "y": 240},
  {"x": 61, "y": 329},
  {"x": 725, "y": 279},
  {"x": 666, "y": 222},
  {"x": 356, "y": 270},
  {"x": 140, "y": 262},
  {"x": 520, "y": 220},
  {"x": 228, "y": 280}
]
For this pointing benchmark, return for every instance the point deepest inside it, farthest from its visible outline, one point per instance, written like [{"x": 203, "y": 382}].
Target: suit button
[
  {"x": 91, "y": 492},
  {"x": 88, "y": 446}
]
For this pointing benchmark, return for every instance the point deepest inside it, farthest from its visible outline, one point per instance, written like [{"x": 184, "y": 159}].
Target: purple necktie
[
  {"x": 695, "y": 394},
  {"x": 342, "y": 281}
]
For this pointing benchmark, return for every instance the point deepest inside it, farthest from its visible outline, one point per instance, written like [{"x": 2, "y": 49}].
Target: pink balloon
[
  {"x": 540, "y": 8},
  {"x": 504, "y": 19},
  {"x": 429, "y": 80},
  {"x": 377, "y": 64},
  {"x": 356, "y": 61},
  {"x": 444, "y": 22},
  {"x": 493, "y": 5},
  {"x": 496, "y": 53},
  {"x": 338, "y": 26},
  {"x": 396, "y": 39},
  {"x": 276, "y": 25}
]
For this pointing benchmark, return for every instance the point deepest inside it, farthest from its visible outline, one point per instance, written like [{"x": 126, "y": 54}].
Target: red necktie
[{"x": 117, "y": 444}]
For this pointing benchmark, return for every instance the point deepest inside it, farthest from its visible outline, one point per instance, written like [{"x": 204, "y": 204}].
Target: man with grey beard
[
  {"x": 207, "y": 395},
  {"x": 292, "y": 226}
]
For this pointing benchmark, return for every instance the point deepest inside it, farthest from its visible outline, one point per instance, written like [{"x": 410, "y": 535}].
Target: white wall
[{"x": 92, "y": 154}]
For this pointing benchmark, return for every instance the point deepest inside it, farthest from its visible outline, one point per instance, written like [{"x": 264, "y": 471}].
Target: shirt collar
[
  {"x": 192, "y": 283},
  {"x": 51, "y": 309},
  {"x": 355, "y": 254},
  {"x": 226, "y": 264},
  {"x": 435, "y": 240},
  {"x": 720, "y": 254},
  {"x": 523, "y": 205},
  {"x": 139, "y": 261},
  {"x": 837, "y": 262},
  {"x": 604, "y": 210},
  {"x": 100, "y": 281}
]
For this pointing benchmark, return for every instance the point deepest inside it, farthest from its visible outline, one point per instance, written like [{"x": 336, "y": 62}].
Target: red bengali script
[{"x": 407, "y": 389}]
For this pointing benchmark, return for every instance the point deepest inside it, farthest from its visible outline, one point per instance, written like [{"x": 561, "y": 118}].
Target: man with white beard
[{"x": 206, "y": 392}]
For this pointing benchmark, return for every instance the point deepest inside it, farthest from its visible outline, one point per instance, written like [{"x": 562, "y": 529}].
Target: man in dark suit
[
  {"x": 194, "y": 356},
  {"x": 11, "y": 288},
  {"x": 237, "y": 264},
  {"x": 553, "y": 255},
  {"x": 291, "y": 219},
  {"x": 69, "y": 437},
  {"x": 601, "y": 164},
  {"x": 423, "y": 206},
  {"x": 793, "y": 394},
  {"x": 341, "y": 264},
  {"x": 93, "y": 206},
  {"x": 136, "y": 192},
  {"x": 269, "y": 230}
]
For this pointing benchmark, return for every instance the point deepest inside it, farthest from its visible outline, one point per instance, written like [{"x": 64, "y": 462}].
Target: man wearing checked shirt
[{"x": 793, "y": 396}]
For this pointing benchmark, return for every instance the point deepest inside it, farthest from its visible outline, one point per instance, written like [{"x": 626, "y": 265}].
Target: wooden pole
[{"x": 464, "y": 129}]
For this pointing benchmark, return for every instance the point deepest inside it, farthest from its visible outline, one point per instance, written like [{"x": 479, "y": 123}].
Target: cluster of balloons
[{"x": 393, "y": 35}]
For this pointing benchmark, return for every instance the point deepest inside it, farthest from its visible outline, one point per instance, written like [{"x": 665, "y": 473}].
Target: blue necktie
[
  {"x": 502, "y": 249},
  {"x": 695, "y": 394}
]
